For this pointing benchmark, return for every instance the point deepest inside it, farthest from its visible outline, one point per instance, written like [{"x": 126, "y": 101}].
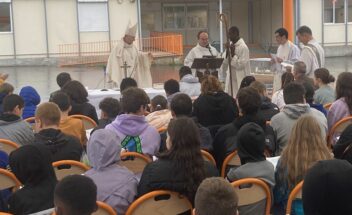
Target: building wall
[
  {"x": 311, "y": 16},
  {"x": 30, "y": 29}
]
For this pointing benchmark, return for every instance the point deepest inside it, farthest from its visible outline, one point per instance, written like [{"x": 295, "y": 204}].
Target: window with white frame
[
  {"x": 93, "y": 15},
  {"x": 5, "y": 16},
  {"x": 334, "y": 11}
]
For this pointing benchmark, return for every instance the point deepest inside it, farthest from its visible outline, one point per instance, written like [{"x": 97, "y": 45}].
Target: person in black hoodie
[
  {"x": 267, "y": 108},
  {"x": 110, "y": 108},
  {"x": 214, "y": 106},
  {"x": 225, "y": 140},
  {"x": 31, "y": 164},
  {"x": 61, "y": 146},
  {"x": 79, "y": 100},
  {"x": 343, "y": 147}
]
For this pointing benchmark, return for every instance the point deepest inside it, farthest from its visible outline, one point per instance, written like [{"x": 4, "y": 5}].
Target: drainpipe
[
  {"x": 139, "y": 24},
  {"x": 221, "y": 30}
]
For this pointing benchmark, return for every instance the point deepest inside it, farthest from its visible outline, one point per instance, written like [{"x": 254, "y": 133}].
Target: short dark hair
[
  {"x": 62, "y": 100},
  {"x": 78, "y": 193},
  {"x": 249, "y": 100},
  {"x": 159, "y": 103},
  {"x": 234, "y": 30},
  {"x": 110, "y": 106},
  {"x": 215, "y": 196},
  {"x": 63, "y": 78},
  {"x": 300, "y": 67},
  {"x": 309, "y": 95},
  {"x": 259, "y": 86},
  {"x": 11, "y": 101},
  {"x": 282, "y": 32},
  {"x": 6, "y": 88},
  {"x": 76, "y": 91},
  {"x": 304, "y": 30},
  {"x": 185, "y": 70},
  {"x": 200, "y": 32},
  {"x": 48, "y": 113},
  {"x": 171, "y": 86},
  {"x": 132, "y": 99},
  {"x": 181, "y": 105},
  {"x": 127, "y": 82},
  {"x": 294, "y": 93},
  {"x": 246, "y": 81}
]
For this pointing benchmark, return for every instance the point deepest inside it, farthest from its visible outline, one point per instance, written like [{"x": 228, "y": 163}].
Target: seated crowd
[{"x": 174, "y": 133}]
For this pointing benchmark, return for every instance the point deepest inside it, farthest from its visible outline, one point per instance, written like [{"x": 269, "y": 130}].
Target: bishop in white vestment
[{"x": 126, "y": 61}]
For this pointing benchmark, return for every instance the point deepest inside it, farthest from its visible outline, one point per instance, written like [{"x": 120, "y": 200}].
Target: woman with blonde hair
[
  {"x": 214, "y": 106},
  {"x": 305, "y": 147}
]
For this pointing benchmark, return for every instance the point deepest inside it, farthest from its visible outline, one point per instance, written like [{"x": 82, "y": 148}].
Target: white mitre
[{"x": 131, "y": 30}]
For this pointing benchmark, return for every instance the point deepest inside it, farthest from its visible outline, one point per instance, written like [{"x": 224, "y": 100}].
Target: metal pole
[
  {"x": 139, "y": 24},
  {"x": 346, "y": 23},
  {"x": 108, "y": 4},
  {"x": 13, "y": 31},
  {"x": 322, "y": 22},
  {"x": 46, "y": 29},
  {"x": 221, "y": 30},
  {"x": 78, "y": 31}
]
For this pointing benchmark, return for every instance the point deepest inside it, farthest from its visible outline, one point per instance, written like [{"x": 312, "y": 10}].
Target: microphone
[{"x": 208, "y": 47}]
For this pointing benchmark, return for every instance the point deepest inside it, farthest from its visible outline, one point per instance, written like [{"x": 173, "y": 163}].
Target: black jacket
[
  {"x": 215, "y": 109},
  {"x": 85, "y": 109},
  {"x": 164, "y": 174},
  {"x": 268, "y": 109},
  {"x": 225, "y": 140},
  {"x": 61, "y": 146}
]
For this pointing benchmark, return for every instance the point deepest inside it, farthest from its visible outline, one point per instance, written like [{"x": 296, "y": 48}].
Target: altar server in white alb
[
  {"x": 126, "y": 61},
  {"x": 312, "y": 54},
  {"x": 287, "y": 51},
  {"x": 240, "y": 66},
  {"x": 203, "y": 48}
]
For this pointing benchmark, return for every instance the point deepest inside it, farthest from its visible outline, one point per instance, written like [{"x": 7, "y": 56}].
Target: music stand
[{"x": 207, "y": 63}]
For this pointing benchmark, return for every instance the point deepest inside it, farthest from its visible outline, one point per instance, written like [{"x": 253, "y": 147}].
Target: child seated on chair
[
  {"x": 31, "y": 164},
  {"x": 117, "y": 186},
  {"x": 160, "y": 115},
  {"x": 75, "y": 194},
  {"x": 110, "y": 108},
  {"x": 61, "y": 146},
  {"x": 69, "y": 125},
  {"x": 215, "y": 196},
  {"x": 250, "y": 146}
]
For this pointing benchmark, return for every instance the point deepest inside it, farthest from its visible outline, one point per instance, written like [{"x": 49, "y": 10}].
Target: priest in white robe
[
  {"x": 312, "y": 54},
  {"x": 203, "y": 48},
  {"x": 286, "y": 52},
  {"x": 126, "y": 61},
  {"x": 240, "y": 65}
]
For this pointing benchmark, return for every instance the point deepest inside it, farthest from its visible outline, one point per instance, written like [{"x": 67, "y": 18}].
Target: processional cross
[{"x": 125, "y": 67}]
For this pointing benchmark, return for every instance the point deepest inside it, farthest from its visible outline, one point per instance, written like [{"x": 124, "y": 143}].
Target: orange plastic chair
[
  {"x": 88, "y": 123},
  {"x": 208, "y": 157},
  {"x": 232, "y": 159},
  {"x": 162, "y": 129},
  {"x": 338, "y": 128},
  {"x": 8, "y": 146},
  {"x": 104, "y": 209},
  {"x": 327, "y": 106},
  {"x": 296, "y": 193},
  {"x": 253, "y": 194},
  {"x": 135, "y": 162},
  {"x": 8, "y": 180},
  {"x": 3, "y": 213},
  {"x": 160, "y": 202},
  {"x": 30, "y": 120},
  {"x": 74, "y": 168}
]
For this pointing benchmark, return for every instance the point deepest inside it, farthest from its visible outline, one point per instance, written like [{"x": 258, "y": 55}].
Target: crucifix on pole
[{"x": 125, "y": 67}]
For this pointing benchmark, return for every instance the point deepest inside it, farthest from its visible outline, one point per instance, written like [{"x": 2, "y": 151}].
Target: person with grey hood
[
  {"x": 188, "y": 83},
  {"x": 282, "y": 123},
  {"x": 117, "y": 186}
]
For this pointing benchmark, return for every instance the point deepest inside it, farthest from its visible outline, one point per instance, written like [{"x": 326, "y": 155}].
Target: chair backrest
[
  {"x": 104, "y": 209},
  {"x": 158, "y": 203},
  {"x": 88, "y": 123},
  {"x": 338, "y": 128},
  {"x": 69, "y": 167},
  {"x": 3, "y": 213},
  {"x": 8, "y": 146},
  {"x": 255, "y": 191},
  {"x": 296, "y": 193},
  {"x": 232, "y": 159},
  {"x": 162, "y": 129},
  {"x": 208, "y": 157},
  {"x": 8, "y": 180},
  {"x": 31, "y": 121},
  {"x": 134, "y": 161},
  {"x": 327, "y": 106}
]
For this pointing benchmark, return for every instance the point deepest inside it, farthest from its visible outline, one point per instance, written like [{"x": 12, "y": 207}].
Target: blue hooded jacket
[{"x": 31, "y": 100}]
